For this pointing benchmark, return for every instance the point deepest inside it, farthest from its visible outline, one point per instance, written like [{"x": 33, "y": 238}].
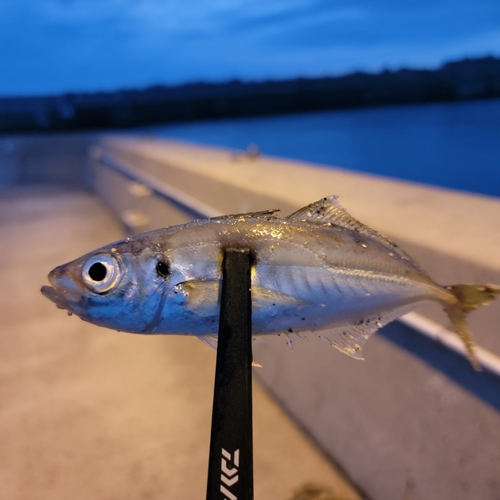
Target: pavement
[{"x": 90, "y": 413}]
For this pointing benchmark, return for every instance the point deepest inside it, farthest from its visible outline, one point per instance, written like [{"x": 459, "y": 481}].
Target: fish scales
[{"x": 317, "y": 270}]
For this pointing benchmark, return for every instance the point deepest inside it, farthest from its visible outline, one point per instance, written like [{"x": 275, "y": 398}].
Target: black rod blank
[{"x": 230, "y": 468}]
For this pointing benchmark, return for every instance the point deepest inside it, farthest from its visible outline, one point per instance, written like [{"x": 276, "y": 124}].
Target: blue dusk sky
[{"x": 54, "y": 46}]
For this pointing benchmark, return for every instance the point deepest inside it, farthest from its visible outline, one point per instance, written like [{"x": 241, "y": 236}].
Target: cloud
[{"x": 60, "y": 45}]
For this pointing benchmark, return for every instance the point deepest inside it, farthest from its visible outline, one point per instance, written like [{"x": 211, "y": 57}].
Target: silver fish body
[{"x": 316, "y": 270}]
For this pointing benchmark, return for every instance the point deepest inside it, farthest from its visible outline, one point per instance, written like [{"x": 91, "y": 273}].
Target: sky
[{"x": 55, "y": 46}]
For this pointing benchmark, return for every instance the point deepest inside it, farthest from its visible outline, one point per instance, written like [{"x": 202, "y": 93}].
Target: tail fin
[{"x": 469, "y": 298}]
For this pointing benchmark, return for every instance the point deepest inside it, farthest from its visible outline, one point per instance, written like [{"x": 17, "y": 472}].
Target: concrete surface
[
  {"x": 411, "y": 422},
  {"x": 88, "y": 413}
]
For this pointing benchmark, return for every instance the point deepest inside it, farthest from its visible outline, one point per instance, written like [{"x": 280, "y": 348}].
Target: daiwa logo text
[{"x": 229, "y": 475}]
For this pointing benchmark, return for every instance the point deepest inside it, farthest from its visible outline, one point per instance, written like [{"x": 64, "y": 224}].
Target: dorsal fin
[
  {"x": 328, "y": 211},
  {"x": 264, "y": 214}
]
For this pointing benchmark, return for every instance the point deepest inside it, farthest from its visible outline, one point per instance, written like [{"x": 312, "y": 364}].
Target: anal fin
[{"x": 350, "y": 339}]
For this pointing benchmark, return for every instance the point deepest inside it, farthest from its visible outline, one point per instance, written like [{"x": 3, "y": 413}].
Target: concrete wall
[{"x": 413, "y": 421}]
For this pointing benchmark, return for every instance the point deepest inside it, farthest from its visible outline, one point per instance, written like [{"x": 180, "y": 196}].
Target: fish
[{"x": 317, "y": 270}]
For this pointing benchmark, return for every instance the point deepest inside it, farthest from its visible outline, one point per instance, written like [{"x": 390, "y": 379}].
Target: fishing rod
[{"x": 230, "y": 468}]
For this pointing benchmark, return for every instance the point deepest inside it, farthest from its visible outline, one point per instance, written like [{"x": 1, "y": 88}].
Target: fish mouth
[
  {"x": 54, "y": 296},
  {"x": 63, "y": 292}
]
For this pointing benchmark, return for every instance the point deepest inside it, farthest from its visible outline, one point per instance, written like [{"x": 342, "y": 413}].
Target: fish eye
[{"x": 101, "y": 273}]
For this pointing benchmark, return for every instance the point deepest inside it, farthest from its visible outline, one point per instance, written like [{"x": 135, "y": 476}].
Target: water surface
[{"x": 455, "y": 145}]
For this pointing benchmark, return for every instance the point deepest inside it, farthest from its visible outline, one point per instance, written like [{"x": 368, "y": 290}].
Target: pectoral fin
[
  {"x": 199, "y": 296},
  {"x": 203, "y": 298},
  {"x": 212, "y": 340}
]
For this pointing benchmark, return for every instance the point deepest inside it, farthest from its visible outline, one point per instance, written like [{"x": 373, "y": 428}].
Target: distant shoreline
[{"x": 466, "y": 79}]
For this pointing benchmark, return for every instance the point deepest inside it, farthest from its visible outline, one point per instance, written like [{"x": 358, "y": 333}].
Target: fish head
[{"x": 120, "y": 286}]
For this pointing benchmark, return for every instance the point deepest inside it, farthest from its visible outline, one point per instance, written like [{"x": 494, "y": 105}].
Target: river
[{"x": 454, "y": 145}]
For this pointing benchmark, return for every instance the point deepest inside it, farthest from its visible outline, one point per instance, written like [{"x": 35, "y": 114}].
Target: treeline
[{"x": 454, "y": 81}]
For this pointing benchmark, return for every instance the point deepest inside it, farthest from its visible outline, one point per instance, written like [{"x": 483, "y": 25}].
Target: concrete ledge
[
  {"x": 455, "y": 236},
  {"x": 403, "y": 423}
]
